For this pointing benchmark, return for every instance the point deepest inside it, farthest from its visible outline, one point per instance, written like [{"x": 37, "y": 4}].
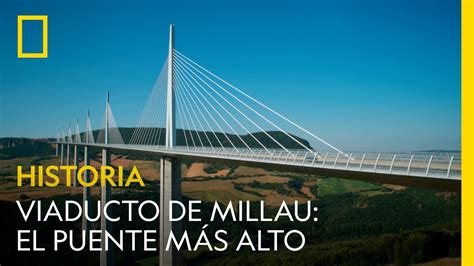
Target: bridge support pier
[
  {"x": 68, "y": 159},
  {"x": 170, "y": 173},
  {"x": 106, "y": 256},
  {"x": 62, "y": 154},
  {"x": 170, "y": 188},
  {"x": 74, "y": 173},
  {"x": 57, "y": 148},
  {"x": 86, "y": 195}
]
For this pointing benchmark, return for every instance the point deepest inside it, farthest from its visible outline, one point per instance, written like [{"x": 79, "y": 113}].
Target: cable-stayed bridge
[{"x": 193, "y": 113}]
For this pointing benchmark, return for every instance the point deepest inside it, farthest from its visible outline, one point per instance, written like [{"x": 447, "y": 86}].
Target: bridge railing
[
  {"x": 440, "y": 165},
  {"x": 423, "y": 164}
]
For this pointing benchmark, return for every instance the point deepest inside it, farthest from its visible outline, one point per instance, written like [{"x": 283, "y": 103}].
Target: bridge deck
[{"x": 440, "y": 171}]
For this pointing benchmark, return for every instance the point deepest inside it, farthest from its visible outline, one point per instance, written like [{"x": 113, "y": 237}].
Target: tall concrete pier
[
  {"x": 68, "y": 157},
  {"x": 86, "y": 193},
  {"x": 75, "y": 158},
  {"x": 106, "y": 256},
  {"x": 62, "y": 154},
  {"x": 57, "y": 144},
  {"x": 170, "y": 172}
]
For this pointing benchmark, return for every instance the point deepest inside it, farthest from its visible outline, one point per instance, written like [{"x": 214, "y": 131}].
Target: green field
[
  {"x": 330, "y": 186},
  {"x": 222, "y": 196}
]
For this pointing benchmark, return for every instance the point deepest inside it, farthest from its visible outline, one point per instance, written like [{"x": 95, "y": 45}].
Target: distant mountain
[
  {"x": 25, "y": 147},
  {"x": 157, "y": 136},
  {"x": 440, "y": 151}
]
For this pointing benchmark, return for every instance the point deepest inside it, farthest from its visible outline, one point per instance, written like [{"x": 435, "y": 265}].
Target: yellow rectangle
[
  {"x": 467, "y": 132},
  {"x": 44, "y": 53}
]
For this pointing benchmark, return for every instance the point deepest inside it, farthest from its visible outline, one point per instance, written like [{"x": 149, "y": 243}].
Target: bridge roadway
[{"x": 438, "y": 171}]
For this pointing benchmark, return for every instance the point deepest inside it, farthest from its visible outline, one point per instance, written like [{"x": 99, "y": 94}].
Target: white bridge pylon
[
  {"x": 215, "y": 119},
  {"x": 193, "y": 113}
]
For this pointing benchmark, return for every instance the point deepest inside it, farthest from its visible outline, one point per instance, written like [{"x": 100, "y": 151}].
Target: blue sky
[{"x": 365, "y": 75}]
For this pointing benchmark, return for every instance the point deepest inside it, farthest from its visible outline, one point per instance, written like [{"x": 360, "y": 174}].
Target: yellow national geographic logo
[{"x": 43, "y": 54}]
